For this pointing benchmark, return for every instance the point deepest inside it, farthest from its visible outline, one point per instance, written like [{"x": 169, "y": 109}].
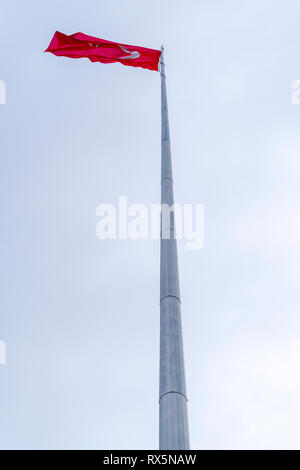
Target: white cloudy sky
[{"x": 80, "y": 316}]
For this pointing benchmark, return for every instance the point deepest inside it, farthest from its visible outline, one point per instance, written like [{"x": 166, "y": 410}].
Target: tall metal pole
[{"x": 173, "y": 418}]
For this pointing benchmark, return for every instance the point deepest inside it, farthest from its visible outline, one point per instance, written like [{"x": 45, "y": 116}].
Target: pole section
[{"x": 173, "y": 418}]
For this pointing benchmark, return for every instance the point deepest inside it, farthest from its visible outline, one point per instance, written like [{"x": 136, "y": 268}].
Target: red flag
[{"x": 99, "y": 50}]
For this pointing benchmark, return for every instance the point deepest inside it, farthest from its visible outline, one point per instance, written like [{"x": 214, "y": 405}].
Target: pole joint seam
[
  {"x": 172, "y": 391},
  {"x": 166, "y": 178},
  {"x": 169, "y": 295}
]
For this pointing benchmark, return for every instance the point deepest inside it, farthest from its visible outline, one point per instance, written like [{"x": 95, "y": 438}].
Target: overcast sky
[{"x": 80, "y": 316}]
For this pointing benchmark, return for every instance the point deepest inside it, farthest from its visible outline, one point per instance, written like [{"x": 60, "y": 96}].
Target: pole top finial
[{"x": 161, "y": 61}]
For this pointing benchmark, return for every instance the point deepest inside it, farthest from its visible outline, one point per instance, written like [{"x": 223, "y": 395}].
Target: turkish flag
[{"x": 99, "y": 50}]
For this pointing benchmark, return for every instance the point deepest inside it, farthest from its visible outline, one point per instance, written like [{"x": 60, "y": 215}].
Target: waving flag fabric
[{"x": 99, "y": 50}]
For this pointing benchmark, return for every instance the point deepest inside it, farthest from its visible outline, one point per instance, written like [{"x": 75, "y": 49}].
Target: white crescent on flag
[{"x": 133, "y": 54}]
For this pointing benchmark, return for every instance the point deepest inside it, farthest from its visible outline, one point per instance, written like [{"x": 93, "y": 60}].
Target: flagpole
[{"x": 173, "y": 418}]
